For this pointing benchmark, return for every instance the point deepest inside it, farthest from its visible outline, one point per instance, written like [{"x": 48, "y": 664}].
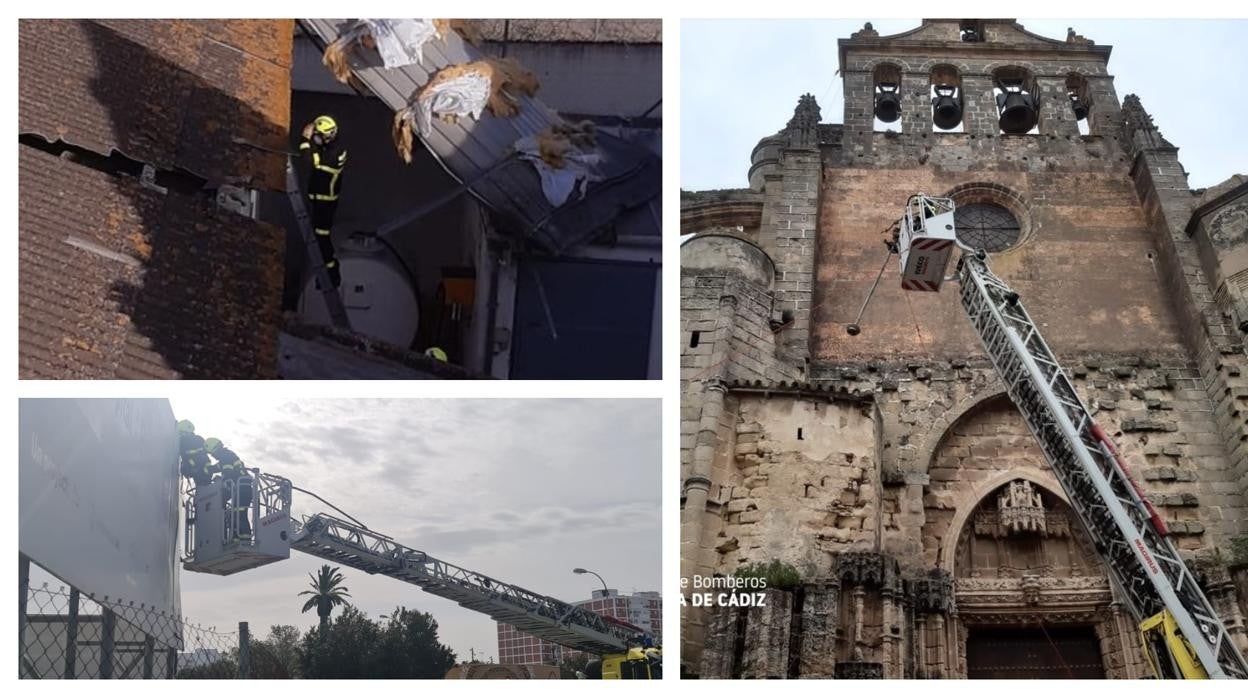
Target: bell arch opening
[
  {"x": 1080, "y": 100},
  {"x": 886, "y": 88},
  {"x": 1018, "y": 108},
  {"x": 945, "y": 89}
]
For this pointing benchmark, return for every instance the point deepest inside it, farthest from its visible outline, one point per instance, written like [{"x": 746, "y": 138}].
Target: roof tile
[
  {"x": 171, "y": 93},
  {"x": 122, "y": 281}
]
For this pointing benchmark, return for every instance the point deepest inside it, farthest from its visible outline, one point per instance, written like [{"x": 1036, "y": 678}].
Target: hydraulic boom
[
  {"x": 220, "y": 541},
  {"x": 1125, "y": 529},
  {"x": 542, "y": 616}
]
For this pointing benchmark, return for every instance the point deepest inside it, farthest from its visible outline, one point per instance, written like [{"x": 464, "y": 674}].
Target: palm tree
[{"x": 326, "y": 593}]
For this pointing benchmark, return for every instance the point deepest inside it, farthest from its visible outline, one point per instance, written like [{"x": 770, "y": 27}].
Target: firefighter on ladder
[
  {"x": 231, "y": 467},
  {"x": 328, "y": 158},
  {"x": 195, "y": 464}
]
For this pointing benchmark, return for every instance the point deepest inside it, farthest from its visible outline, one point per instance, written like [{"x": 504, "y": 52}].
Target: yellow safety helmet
[
  {"x": 436, "y": 353},
  {"x": 185, "y": 427},
  {"x": 212, "y": 444},
  {"x": 326, "y": 126}
]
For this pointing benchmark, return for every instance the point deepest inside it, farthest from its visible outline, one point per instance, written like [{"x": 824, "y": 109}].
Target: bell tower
[{"x": 988, "y": 78}]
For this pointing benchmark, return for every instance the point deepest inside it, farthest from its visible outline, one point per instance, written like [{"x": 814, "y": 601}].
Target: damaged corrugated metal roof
[
  {"x": 471, "y": 148},
  {"x": 119, "y": 278}
]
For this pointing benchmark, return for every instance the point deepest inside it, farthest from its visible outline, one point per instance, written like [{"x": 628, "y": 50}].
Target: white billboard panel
[{"x": 98, "y": 504}]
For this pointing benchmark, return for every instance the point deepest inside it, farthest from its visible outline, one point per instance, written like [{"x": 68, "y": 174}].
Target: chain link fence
[{"x": 67, "y": 634}]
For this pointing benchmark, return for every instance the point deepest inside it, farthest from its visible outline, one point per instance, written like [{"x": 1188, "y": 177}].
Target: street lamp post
[{"x": 581, "y": 570}]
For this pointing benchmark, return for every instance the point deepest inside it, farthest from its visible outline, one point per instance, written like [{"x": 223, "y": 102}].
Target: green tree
[
  {"x": 353, "y": 646},
  {"x": 326, "y": 593},
  {"x": 342, "y": 649},
  {"x": 225, "y": 667},
  {"x": 277, "y": 656},
  {"x": 409, "y": 648}
]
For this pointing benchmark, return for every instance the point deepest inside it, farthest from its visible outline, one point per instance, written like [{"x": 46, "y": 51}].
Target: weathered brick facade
[{"x": 878, "y": 464}]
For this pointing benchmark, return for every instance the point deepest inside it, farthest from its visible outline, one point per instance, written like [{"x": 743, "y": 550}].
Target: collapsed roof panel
[
  {"x": 174, "y": 94},
  {"x": 479, "y": 152}
]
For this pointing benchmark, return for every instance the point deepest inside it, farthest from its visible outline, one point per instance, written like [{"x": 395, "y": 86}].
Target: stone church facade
[{"x": 889, "y": 468}]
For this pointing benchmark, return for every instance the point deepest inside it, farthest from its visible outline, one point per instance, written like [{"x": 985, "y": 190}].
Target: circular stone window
[{"x": 988, "y": 227}]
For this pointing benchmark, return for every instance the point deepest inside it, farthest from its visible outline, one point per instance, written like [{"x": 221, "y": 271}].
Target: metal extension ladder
[
  {"x": 562, "y": 623},
  {"x": 1125, "y": 530},
  {"x": 333, "y": 301}
]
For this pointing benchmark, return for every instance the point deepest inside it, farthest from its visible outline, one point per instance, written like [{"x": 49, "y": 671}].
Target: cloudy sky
[
  {"x": 740, "y": 80},
  {"x": 520, "y": 490}
]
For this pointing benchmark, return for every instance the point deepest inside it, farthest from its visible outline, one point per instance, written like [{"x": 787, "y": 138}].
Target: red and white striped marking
[
  {"x": 931, "y": 244},
  {"x": 918, "y": 285}
]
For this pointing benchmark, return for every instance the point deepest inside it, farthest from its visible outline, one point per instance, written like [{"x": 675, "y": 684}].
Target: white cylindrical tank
[{"x": 377, "y": 291}]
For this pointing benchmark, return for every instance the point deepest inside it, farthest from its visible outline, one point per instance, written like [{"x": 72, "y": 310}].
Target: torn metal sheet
[{"x": 631, "y": 175}]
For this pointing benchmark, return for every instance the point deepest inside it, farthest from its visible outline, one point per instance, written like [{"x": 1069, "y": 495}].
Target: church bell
[
  {"x": 887, "y": 102},
  {"x": 1017, "y": 109},
  {"x": 946, "y": 107},
  {"x": 1079, "y": 106}
]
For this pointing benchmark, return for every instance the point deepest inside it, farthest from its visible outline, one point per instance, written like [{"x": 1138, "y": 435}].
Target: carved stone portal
[
  {"x": 1024, "y": 567},
  {"x": 1020, "y": 509}
]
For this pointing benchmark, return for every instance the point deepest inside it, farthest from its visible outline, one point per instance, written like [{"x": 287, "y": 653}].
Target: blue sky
[{"x": 740, "y": 80}]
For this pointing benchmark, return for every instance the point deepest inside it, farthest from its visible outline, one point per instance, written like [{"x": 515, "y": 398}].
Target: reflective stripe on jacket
[{"x": 328, "y": 161}]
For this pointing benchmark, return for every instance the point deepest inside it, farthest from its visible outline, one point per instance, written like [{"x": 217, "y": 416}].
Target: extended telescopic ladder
[
  {"x": 333, "y": 301},
  {"x": 347, "y": 544},
  {"x": 1125, "y": 529}
]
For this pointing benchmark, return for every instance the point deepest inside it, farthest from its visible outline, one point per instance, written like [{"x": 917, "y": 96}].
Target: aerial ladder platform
[
  {"x": 347, "y": 544},
  {"x": 223, "y": 539},
  {"x": 1183, "y": 635}
]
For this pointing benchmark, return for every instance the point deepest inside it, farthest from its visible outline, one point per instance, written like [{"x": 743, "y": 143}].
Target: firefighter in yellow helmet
[
  {"x": 195, "y": 464},
  {"x": 232, "y": 469},
  {"x": 328, "y": 159}
]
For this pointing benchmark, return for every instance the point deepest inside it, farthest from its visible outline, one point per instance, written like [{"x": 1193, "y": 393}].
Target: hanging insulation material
[
  {"x": 565, "y": 158},
  {"x": 466, "y": 28},
  {"x": 463, "y": 94},
  {"x": 338, "y": 53},
  {"x": 400, "y": 42},
  {"x": 555, "y": 142},
  {"x": 463, "y": 90},
  {"x": 508, "y": 80},
  {"x": 401, "y": 132}
]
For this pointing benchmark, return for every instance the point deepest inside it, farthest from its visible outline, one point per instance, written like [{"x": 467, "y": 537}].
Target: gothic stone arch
[
  {"x": 1044, "y": 586},
  {"x": 925, "y": 444},
  {"x": 1033, "y": 596}
]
